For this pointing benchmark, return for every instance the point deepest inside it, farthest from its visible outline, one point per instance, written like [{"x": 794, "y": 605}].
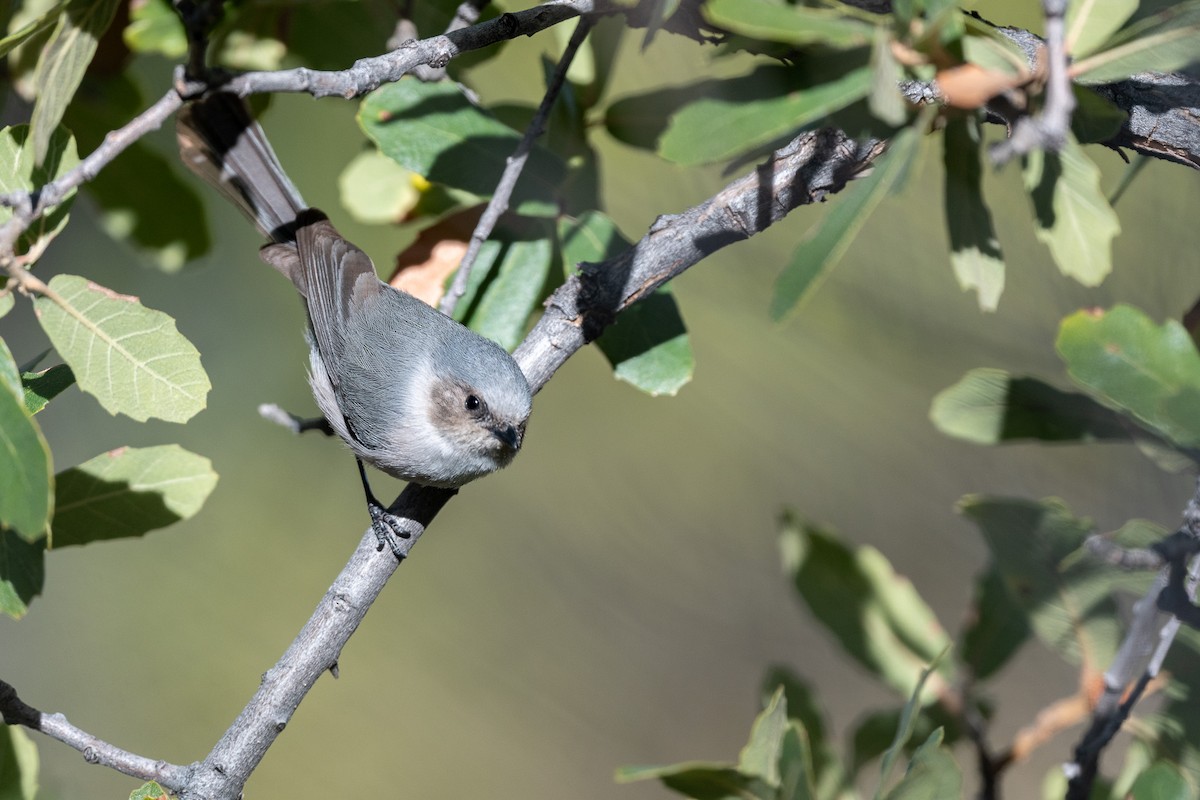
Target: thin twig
[
  {"x": 512, "y": 170},
  {"x": 95, "y": 751},
  {"x": 28, "y": 206},
  {"x": 1142, "y": 651},
  {"x": 1047, "y": 130}
]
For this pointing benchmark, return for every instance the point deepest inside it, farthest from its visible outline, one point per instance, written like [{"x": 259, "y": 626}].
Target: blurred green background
[{"x": 616, "y": 595}]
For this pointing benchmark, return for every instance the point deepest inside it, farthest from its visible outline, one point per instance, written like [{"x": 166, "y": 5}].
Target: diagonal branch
[
  {"x": 811, "y": 166},
  {"x": 512, "y": 171}
]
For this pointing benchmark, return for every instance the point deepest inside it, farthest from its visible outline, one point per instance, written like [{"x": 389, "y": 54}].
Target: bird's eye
[{"x": 472, "y": 403}]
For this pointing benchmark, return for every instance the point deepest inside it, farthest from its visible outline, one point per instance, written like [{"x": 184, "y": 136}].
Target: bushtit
[{"x": 412, "y": 392}]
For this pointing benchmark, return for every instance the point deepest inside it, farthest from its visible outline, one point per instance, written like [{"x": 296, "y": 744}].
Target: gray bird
[{"x": 411, "y": 391}]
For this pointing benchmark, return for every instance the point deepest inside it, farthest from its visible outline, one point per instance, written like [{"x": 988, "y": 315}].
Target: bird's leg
[{"x": 389, "y": 529}]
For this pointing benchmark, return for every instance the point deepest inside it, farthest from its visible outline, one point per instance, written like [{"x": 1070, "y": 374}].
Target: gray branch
[
  {"x": 1156, "y": 620},
  {"x": 1047, "y": 130},
  {"x": 512, "y": 171},
  {"x": 14, "y": 711}
]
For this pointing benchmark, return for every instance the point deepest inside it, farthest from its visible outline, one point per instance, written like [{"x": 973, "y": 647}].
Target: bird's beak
[{"x": 510, "y": 435}]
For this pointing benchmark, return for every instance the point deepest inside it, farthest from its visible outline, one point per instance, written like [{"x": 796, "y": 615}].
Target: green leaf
[
  {"x": 760, "y": 756},
  {"x": 648, "y": 344},
  {"x": 1162, "y": 781},
  {"x": 1068, "y": 600},
  {"x": 875, "y": 614},
  {"x": 518, "y": 269},
  {"x": 41, "y": 24},
  {"x": 131, "y": 358},
  {"x": 989, "y": 406},
  {"x": 19, "y": 173},
  {"x": 1071, "y": 215},
  {"x": 932, "y": 774},
  {"x": 995, "y": 629},
  {"x": 62, "y": 64},
  {"x": 1095, "y": 118},
  {"x": 376, "y": 190},
  {"x": 42, "y": 387},
  {"x": 1091, "y": 22},
  {"x": 714, "y": 129},
  {"x": 1163, "y": 42},
  {"x": 129, "y": 492},
  {"x": 6, "y": 302},
  {"x": 908, "y": 722},
  {"x": 702, "y": 781},
  {"x": 825, "y": 244},
  {"x": 22, "y": 574},
  {"x": 820, "y": 762},
  {"x": 435, "y": 131},
  {"x": 790, "y": 24},
  {"x": 26, "y": 479},
  {"x": 149, "y": 791},
  {"x": 154, "y": 27},
  {"x": 885, "y": 99},
  {"x": 974, "y": 248},
  {"x": 875, "y": 734},
  {"x": 1126, "y": 361},
  {"x": 796, "y": 776},
  {"x": 18, "y": 764}
]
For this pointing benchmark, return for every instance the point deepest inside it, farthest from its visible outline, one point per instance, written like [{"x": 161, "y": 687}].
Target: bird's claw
[{"x": 389, "y": 530}]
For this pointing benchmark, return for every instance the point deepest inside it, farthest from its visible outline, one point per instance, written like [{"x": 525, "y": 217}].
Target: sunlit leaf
[
  {"x": 825, "y": 244},
  {"x": 129, "y": 492},
  {"x": 154, "y": 27},
  {"x": 42, "y": 23},
  {"x": 974, "y": 248},
  {"x": 885, "y": 100},
  {"x": 760, "y": 756},
  {"x": 26, "y": 479},
  {"x": 435, "y": 131},
  {"x": 131, "y": 358},
  {"x": 1127, "y": 361},
  {"x": 790, "y": 24},
  {"x": 376, "y": 190},
  {"x": 908, "y": 721},
  {"x": 1071, "y": 215},
  {"x": 149, "y": 791},
  {"x": 18, "y": 173},
  {"x": 1163, "y": 42},
  {"x": 989, "y": 406},
  {"x": 1091, "y": 22},
  {"x": 714, "y": 129},
  {"x": 62, "y": 64},
  {"x": 517, "y": 265},
  {"x": 18, "y": 764}
]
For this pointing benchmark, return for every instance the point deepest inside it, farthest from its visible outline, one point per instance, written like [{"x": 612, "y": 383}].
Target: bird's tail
[{"x": 221, "y": 142}]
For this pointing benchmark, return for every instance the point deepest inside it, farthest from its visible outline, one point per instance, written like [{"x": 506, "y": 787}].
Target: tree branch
[
  {"x": 1047, "y": 130},
  {"x": 1142, "y": 651},
  {"x": 14, "y": 711},
  {"x": 810, "y": 167},
  {"x": 512, "y": 171}
]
